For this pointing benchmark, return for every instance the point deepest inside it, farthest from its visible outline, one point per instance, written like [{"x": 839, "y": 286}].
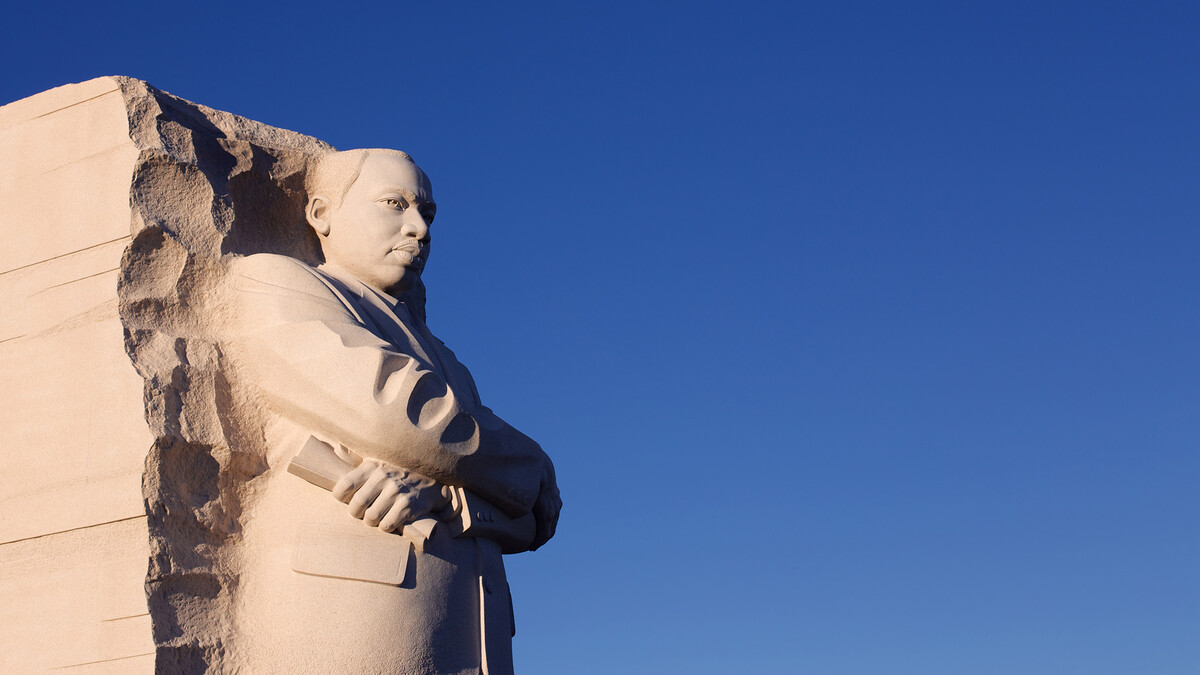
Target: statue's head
[{"x": 371, "y": 210}]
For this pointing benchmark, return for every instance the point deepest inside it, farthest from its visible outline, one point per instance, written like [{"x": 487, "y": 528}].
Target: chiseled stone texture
[
  {"x": 205, "y": 183},
  {"x": 120, "y": 200}
]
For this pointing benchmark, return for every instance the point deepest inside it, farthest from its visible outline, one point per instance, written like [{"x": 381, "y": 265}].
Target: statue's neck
[{"x": 351, "y": 281}]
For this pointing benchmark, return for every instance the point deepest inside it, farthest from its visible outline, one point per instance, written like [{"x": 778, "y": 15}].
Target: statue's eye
[{"x": 395, "y": 203}]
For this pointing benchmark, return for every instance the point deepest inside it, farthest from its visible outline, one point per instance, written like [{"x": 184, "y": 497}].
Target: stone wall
[
  {"x": 73, "y": 538},
  {"x": 119, "y": 484}
]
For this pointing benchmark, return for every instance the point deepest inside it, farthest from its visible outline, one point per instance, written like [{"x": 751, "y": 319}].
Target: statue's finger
[
  {"x": 354, "y": 479},
  {"x": 400, "y": 514},
  {"x": 366, "y": 495},
  {"x": 388, "y": 495}
]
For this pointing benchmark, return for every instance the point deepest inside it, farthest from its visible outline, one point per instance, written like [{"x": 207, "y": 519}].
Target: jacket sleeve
[{"x": 318, "y": 365}]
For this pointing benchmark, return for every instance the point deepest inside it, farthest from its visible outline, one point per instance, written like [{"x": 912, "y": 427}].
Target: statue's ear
[{"x": 317, "y": 213}]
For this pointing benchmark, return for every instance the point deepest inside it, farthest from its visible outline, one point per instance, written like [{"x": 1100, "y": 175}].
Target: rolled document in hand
[{"x": 318, "y": 463}]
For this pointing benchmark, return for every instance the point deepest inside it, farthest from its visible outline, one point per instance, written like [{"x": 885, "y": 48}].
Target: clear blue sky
[{"x": 864, "y": 335}]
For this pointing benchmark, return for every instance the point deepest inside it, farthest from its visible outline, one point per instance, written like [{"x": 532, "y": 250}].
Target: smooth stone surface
[{"x": 73, "y": 537}]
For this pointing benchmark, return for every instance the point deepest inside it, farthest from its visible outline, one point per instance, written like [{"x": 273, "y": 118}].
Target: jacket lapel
[{"x": 392, "y": 322}]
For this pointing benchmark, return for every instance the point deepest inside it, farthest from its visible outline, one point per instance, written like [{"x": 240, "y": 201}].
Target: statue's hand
[
  {"x": 388, "y": 497},
  {"x": 546, "y": 508}
]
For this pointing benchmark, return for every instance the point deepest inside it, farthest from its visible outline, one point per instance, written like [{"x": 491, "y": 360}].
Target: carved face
[{"x": 380, "y": 232}]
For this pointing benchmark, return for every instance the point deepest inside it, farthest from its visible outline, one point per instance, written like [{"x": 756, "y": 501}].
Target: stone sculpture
[
  {"x": 337, "y": 353},
  {"x": 297, "y": 515}
]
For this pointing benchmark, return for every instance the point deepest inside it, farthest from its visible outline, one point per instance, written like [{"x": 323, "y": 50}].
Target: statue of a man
[{"x": 338, "y": 354}]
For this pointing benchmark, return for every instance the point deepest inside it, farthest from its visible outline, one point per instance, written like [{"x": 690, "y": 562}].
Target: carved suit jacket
[
  {"x": 335, "y": 358},
  {"x": 354, "y": 364}
]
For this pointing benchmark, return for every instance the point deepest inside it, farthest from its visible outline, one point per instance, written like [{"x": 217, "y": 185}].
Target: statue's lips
[{"x": 412, "y": 253}]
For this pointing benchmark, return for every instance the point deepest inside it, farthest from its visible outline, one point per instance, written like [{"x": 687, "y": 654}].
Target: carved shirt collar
[{"x": 357, "y": 287}]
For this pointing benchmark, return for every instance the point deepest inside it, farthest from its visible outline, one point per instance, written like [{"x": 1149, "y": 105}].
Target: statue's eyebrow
[
  {"x": 408, "y": 194},
  {"x": 402, "y": 191}
]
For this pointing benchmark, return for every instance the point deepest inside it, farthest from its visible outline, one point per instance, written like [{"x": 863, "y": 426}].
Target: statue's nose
[{"x": 415, "y": 226}]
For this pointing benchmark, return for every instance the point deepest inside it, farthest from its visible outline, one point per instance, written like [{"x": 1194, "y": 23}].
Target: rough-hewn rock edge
[{"x": 206, "y": 184}]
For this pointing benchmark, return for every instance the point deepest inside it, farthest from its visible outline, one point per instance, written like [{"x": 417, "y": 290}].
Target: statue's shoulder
[
  {"x": 276, "y": 274},
  {"x": 267, "y": 264}
]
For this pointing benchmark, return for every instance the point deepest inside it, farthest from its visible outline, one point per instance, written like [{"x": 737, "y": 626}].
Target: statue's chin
[
  {"x": 404, "y": 284},
  {"x": 389, "y": 279}
]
